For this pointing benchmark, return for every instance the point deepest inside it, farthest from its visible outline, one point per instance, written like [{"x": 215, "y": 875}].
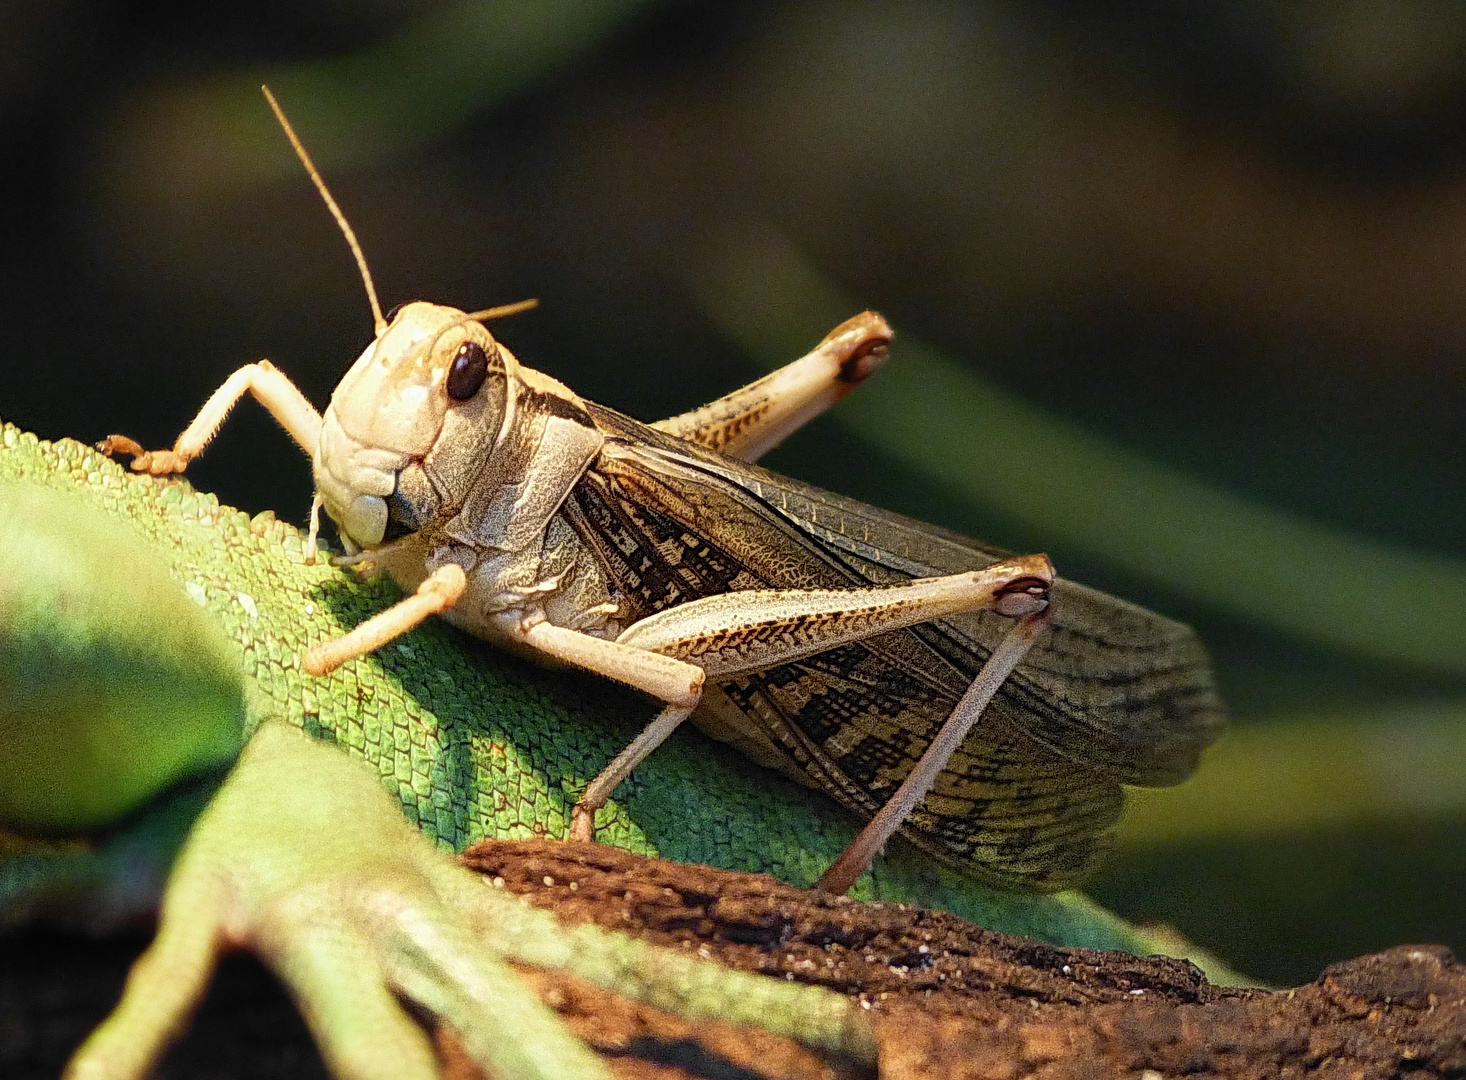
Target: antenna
[
  {"x": 310, "y": 167},
  {"x": 503, "y": 310}
]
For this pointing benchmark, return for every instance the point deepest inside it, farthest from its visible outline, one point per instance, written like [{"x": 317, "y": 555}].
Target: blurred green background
[{"x": 1178, "y": 289}]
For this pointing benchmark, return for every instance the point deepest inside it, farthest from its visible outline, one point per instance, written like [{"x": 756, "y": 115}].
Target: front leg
[
  {"x": 270, "y": 388},
  {"x": 443, "y": 588}
]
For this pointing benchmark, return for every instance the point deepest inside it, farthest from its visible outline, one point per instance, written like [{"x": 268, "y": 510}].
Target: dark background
[{"x": 1228, "y": 240}]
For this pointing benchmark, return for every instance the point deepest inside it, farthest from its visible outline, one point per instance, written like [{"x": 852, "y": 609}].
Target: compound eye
[{"x": 467, "y": 373}]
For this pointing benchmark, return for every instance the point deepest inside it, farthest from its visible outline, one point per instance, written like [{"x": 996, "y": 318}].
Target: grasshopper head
[{"x": 412, "y": 423}]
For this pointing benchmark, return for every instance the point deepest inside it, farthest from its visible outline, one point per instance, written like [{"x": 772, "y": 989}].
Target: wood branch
[{"x": 953, "y": 1001}]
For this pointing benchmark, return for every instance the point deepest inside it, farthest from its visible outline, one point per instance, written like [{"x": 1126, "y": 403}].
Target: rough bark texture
[{"x": 948, "y": 1000}]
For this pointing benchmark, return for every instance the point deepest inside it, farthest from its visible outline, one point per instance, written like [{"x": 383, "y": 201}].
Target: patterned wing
[
  {"x": 1110, "y": 684},
  {"x": 1112, "y": 694},
  {"x": 856, "y": 719}
]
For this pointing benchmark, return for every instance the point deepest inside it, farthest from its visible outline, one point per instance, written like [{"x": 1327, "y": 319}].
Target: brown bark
[{"x": 950, "y": 1000}]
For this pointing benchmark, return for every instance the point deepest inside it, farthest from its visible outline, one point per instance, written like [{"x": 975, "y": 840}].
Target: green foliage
[{"x": 114, "y": 685}]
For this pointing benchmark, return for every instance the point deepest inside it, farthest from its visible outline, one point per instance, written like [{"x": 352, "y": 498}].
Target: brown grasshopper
[{"x": 850, "y": 648}]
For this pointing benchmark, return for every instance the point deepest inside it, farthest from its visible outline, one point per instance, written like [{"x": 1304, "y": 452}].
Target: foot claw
[
  {"x": 119, "y": 444},
  {"x": 156, "y": 462}
]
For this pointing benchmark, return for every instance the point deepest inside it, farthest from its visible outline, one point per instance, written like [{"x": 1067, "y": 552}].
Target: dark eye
[
  {"x": 468, "y": 371},
  {"x": 391, "y": 316}
]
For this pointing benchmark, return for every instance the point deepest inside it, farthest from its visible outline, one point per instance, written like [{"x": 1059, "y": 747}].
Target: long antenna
[
  {"x": 310, "y": 167},
  {"x": 503, "y": 310}
]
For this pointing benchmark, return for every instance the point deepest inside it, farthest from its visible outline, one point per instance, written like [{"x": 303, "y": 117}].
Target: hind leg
[{"x": 749, "y": 422}]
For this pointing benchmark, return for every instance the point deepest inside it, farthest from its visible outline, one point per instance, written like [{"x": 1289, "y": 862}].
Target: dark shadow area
[
  {"x": 54, "y": 988},
  {"x": 1281, "y": 907}
]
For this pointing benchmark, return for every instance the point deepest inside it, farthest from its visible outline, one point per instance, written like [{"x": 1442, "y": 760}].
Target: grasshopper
[{"x": 850, "y": 648}]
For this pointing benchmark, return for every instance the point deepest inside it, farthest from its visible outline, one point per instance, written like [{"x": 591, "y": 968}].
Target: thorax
[{"x": 556, "y": 578}]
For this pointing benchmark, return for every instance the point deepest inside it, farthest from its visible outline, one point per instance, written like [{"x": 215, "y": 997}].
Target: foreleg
[
  {"x": 441, "y": 590},
  {"x": 270, "y": 388}
]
